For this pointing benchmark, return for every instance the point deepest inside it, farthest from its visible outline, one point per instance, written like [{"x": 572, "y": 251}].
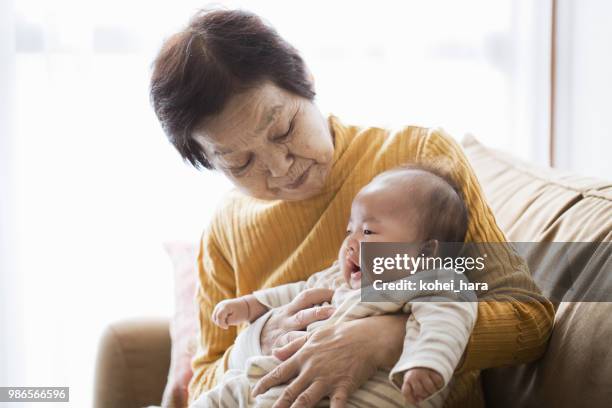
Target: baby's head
[{"x": 414, "y": 204}]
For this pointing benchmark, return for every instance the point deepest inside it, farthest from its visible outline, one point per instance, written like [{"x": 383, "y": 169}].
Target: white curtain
[
  {"x": 584, "y": 85},
  {"x": 11, "y": 317},
  {"x": 93, "y": 187}
]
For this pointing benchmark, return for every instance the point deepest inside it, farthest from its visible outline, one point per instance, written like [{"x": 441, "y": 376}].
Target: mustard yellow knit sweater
[{"x": 252, "y": 244}]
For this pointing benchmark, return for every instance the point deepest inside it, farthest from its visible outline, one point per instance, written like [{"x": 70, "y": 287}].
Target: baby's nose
[{"x": 353, "y": 246}]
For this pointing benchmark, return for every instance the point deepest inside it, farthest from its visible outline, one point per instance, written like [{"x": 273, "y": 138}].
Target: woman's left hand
[{"x": 334, "y": 361}]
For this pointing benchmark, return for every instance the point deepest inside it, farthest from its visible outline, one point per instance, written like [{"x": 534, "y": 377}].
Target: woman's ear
[
  {"x": 430, "y": 248},
  {"x": 309, "y": 76}
]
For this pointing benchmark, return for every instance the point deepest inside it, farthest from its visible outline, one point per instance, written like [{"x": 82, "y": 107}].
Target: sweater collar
[
  {"x": 343, "y": 136},
  {"x": 340, "y": 136}
]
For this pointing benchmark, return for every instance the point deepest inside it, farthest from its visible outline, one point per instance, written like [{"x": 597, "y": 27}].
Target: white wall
[
  {"x": 531, "y": 72},
  {"x": 584, "y": 87},
  {"x": 11, "y": 352}
]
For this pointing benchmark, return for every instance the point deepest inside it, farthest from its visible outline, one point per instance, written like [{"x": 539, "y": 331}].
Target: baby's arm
[
  {"x": 420, "y": 383},
  {"x": 231, "y": 312},
  {"x": 433, "y": 347},
  {"x": 278, "y": 296}
]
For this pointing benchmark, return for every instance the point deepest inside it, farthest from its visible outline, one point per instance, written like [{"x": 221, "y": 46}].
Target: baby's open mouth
[{"x": 354, "y": 269}]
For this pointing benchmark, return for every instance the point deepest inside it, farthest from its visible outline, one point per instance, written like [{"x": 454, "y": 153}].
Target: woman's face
[{"x": 270, "y": 143}]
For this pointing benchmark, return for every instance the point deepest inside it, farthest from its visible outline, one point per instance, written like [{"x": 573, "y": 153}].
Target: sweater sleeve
[
  {"x": 514, "y": 320},
  {"x": 216, "y": 282}
]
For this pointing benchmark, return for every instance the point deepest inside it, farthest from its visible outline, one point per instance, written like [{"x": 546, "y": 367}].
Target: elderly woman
[{"x": 233, "y": 96}]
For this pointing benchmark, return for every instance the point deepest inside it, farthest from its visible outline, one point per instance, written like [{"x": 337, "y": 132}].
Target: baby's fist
[
  {"x": 420, "y": 383},
  {"x": 230, "y": 312}
]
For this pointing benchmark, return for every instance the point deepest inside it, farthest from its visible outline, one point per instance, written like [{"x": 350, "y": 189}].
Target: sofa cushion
[
  {"x": 588, "y": 220},
  {"x": 531, "y": 203},
  {"x": 575, "y": 371},
  {"x": 563, "y": 212}
]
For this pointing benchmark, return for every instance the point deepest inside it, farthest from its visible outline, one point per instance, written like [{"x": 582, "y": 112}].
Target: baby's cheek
[
  {"x": 377, "y": 238},
  {"x": 342, "y": 260},
  {"x": 342, "y": 251}
]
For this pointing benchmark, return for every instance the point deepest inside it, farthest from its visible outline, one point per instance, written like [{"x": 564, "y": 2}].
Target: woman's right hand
[{"x": 289, "y": 322}]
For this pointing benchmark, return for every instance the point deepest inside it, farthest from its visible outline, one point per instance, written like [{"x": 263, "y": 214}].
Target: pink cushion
[{"x": 184, "y": 324}]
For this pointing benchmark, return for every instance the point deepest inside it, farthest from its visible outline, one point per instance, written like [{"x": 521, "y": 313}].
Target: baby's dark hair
[{"x": 445, "y": 215}]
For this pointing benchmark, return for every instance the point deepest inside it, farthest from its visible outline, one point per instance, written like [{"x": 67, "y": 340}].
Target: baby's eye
[
  {"x": 348, "y": 232},
  {"x": 366, "y": 232}
]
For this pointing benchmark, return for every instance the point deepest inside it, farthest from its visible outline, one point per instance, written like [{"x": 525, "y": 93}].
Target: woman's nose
[{"x": 278, "y": 161}]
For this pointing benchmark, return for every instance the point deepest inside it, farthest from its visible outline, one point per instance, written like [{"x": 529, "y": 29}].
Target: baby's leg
[
  {"x": 236, "y": 385},
  {"x": 257, "y": 367},
  {"x": 233, "y": 391},
  {"x": 377, "y": 392}
]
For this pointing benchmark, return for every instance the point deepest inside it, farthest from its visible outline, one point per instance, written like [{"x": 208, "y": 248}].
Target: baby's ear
[{"x": 430, "y": 248}]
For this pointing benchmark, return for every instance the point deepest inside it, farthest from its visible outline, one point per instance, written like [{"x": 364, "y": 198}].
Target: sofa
[{"x": 562, "y": 223}]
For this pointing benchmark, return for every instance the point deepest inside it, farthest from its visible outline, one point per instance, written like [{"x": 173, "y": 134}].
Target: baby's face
[{"x": 383, "y": 211}]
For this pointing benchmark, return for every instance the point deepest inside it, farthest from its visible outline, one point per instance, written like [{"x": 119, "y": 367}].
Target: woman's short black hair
[{"x": 218, "y": 55}]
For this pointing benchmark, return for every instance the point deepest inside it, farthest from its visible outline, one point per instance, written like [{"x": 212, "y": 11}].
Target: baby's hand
[
  {"x": 231, "y": 312},
  {"x": 420, "y": 383}
]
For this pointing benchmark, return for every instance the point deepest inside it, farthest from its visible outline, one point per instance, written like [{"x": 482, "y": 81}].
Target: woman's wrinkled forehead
[{"x": 246, "y": 117}]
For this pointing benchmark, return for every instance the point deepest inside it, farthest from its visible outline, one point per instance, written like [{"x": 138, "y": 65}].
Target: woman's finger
[
  {"x": 289, "y": 349},
  {"x": 313, "y": 394},
  {"x": 338, "y": 398},
  {"x": 310, "y": 297},
  {"x": 282, "y": 341},
  {"x": 280, "y": 375},
  {"x": 291, "y": 393},
  {"x": 304, "y": 317}
]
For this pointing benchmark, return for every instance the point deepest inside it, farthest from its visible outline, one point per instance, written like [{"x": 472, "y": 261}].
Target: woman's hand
[
  {"x": 335, "y": 361},
  {"x": 288, "y": 323}
]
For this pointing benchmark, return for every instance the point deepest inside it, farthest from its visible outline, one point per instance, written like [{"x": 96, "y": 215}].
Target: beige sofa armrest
[{"x": 132, "y": 364}]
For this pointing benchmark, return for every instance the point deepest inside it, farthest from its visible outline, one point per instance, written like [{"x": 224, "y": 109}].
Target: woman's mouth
[{"x": 300, "y": 180}]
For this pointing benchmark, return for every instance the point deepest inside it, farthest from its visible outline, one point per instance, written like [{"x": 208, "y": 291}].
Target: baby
[{"x": 410, "y": 204}]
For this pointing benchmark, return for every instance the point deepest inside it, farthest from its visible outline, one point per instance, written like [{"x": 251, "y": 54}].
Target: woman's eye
[
  {"x": 366, "y": 232},
  {"x": 238, "y": 171},
  {"x": 285, "y": 137}
]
